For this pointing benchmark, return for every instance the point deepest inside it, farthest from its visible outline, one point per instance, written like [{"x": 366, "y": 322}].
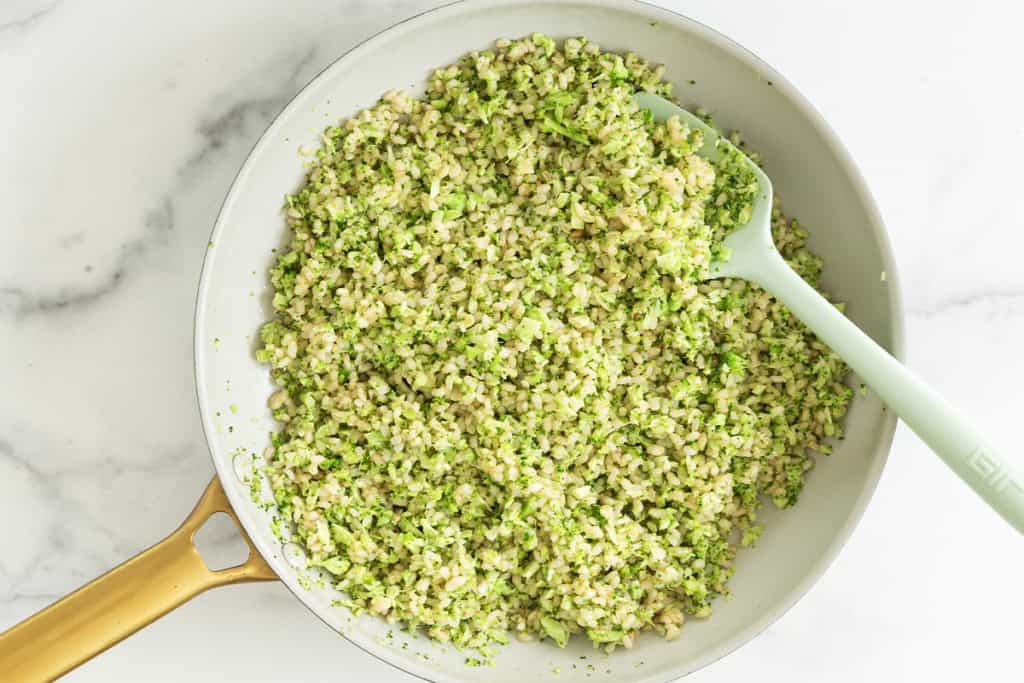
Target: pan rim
[{"x": 816, "y": 120}]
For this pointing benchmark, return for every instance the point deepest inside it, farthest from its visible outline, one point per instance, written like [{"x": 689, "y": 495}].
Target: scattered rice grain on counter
[{"x": 508, "y": 404}]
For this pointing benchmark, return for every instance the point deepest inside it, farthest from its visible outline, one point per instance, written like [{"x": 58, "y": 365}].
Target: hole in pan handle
[{"x": 110, "y": 608}]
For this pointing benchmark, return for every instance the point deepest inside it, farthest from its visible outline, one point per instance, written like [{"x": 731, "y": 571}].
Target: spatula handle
[{"x": 995, "y": 478}]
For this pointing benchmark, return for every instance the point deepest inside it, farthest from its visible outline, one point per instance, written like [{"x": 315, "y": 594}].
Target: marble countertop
[{"x": 123, "y": 125}]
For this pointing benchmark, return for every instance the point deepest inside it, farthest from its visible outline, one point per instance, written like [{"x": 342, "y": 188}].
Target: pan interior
[{"x": 810, "y": 171}]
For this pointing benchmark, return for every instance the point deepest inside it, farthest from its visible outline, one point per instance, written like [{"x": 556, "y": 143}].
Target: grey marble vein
[
  {"x": 56, "y": 538},
  {"x": 1012, "y": 298},
  {"x": 215, "y": 131},
  {"x": 46, "y": 479},
  {"x": 8, "y": 25},
  {"x": 94, "y": 540},
  {"x": 220, "y": 129},
  {"x": 28, "y": 595},
  {"x": 158, "y": 224}
]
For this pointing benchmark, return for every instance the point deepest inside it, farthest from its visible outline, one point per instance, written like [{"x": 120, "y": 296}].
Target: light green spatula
[{"x": 755, "y": 258}]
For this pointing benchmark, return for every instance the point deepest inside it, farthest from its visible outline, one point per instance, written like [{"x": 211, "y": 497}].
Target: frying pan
[{"x": 809, "y": 168}]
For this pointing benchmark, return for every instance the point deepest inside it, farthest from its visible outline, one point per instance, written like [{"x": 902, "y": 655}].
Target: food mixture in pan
[{"x": 509, "y": 403}]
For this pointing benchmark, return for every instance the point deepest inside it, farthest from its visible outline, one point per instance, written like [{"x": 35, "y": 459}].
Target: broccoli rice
[{"x": 509, "y": 402}]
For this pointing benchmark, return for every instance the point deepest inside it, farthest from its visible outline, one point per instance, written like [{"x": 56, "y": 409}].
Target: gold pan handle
[{"x": 107, "y": 610}]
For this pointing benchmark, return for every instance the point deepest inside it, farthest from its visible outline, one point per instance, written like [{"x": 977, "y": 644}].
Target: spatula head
[{"x": 747, "y": 245}]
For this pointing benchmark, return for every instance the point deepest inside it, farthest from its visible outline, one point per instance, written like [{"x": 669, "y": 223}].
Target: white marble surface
[{"x": 122, "y": 126}]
